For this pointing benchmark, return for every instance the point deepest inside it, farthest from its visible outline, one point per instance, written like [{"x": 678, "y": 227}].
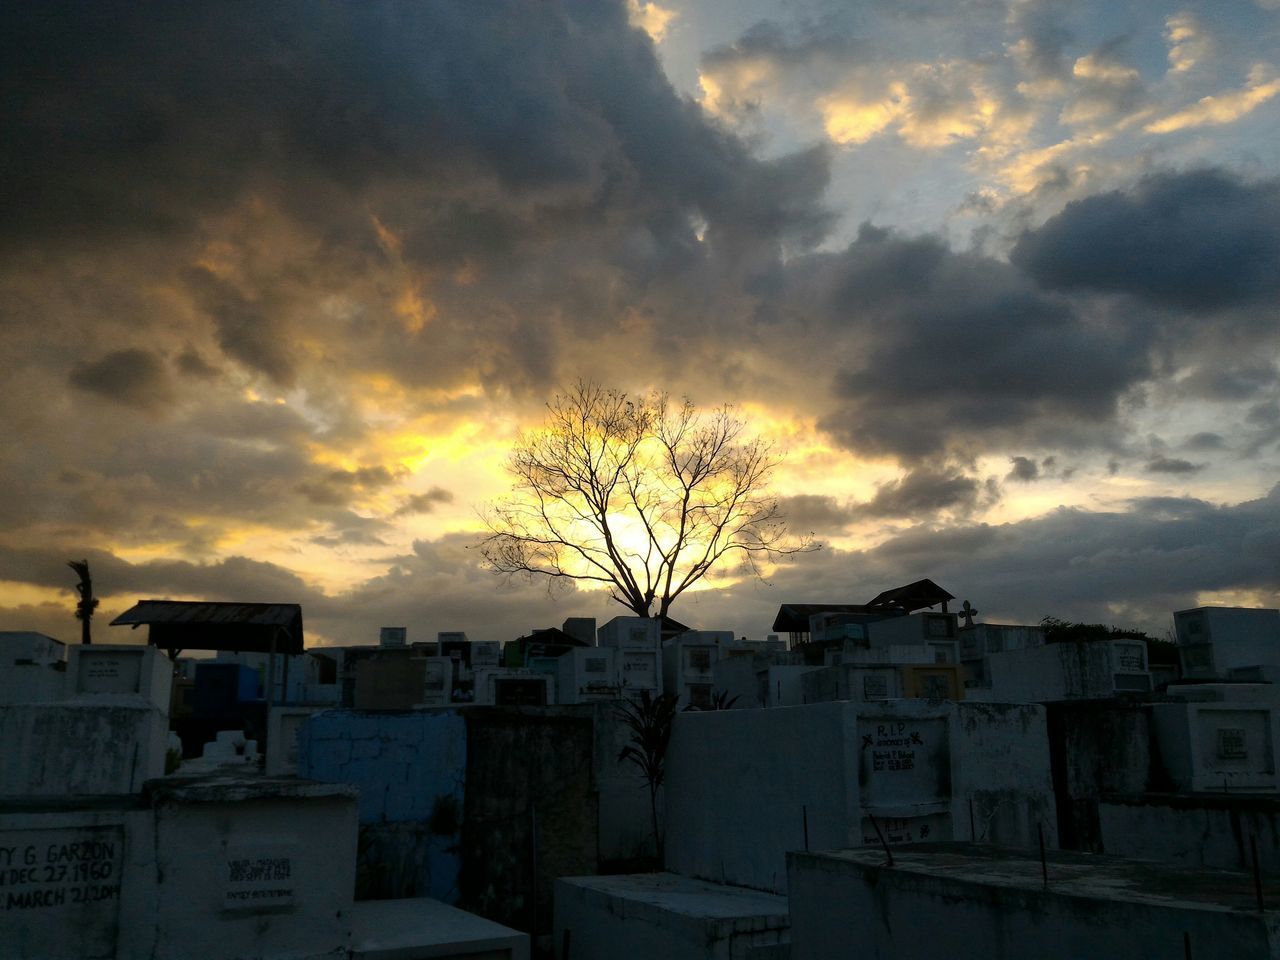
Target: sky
[{"x": 281, "y": 285}]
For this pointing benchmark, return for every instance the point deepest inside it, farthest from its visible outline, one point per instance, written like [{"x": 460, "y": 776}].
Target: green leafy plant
[
  {"x": 649, "y": 719},
  {"x": 720, "y": 700}
]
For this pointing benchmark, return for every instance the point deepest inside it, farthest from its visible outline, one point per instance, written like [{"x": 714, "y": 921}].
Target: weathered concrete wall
[
  {"x": 1001, "y": 772},
  {"x": 31, "y": 682},
  {"x": 1195, "y": 831},
  {"x": 850, "y": 774},
  {"x": 55, "y": 907},
  {"x": 216, "y": 868},
  {"x": 80, "y": 747},
  {"x": 105, "y": 671},
  {"x": 410, "y": 769},
  {"x": 939, "y": 904},
  {"x": 660, "y": 915},
  {"x": 625, "y": 834},
  {"x": 253, "y": 869},
  {"x": 1189, "y": 736},
  {"x": 530, "y": 813},
  {"x": 741, "y": 783},
  {"x": 737, "y": 677},
  {"x": 1055, "y": 671},
  {"x": 1097, "y": 747}
]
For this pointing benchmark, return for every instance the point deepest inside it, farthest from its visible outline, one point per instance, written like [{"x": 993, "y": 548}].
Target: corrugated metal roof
[
  {"x": 216, "y": 625},
  {"x": 913, "y": 596},
  {"x": 794, "y": 617},
  {"x": 208, "y": 611}
]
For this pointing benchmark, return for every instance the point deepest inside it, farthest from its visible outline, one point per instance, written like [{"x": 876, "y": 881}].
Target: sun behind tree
[{"x": 640, "y": 494}]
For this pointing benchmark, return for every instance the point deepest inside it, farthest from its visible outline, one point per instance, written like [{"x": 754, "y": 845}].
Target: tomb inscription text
[
  {"x": 260, "y": 877},
  {"x": 893, "y": 746},
  {"x": 70, "y": 867},
  {"x": 60, "y": 890}
]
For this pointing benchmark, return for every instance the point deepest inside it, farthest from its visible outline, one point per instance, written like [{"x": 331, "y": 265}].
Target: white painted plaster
[
  {"x": 742, "y": 785},
  {"x": 661, "y": 915},
  {"x": 967, "y": 902}
]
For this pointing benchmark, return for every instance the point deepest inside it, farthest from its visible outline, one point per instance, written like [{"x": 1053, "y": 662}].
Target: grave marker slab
[{"x": 60, "y": 892}]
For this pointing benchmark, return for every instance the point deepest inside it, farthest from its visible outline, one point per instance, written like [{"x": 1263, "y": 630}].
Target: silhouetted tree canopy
[{"x": 640, "y": 494}]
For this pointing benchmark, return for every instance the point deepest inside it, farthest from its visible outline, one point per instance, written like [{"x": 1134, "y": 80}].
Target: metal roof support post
[{"x": 271, "y": 695}]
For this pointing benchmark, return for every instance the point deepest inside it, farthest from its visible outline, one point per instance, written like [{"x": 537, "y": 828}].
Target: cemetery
[{"x": 904, "y": 773}]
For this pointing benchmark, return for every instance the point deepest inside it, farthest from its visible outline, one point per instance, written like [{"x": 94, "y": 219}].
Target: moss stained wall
[{"x": 531, "y": 811}]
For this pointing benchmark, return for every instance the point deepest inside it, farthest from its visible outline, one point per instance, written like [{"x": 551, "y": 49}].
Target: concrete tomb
[
  {"x": 1070, "y": 670},
  {"x": 646, "y": 916},
  {"x": 117, "y": 670},
  {"x": 587, "y": 674},
  {"x": 108, "y": 736},
  {"x": 32, "y": 667},
  {"x": 1222, "y": 737},
  {"x": 965, "y": 900},
  {"x": 638, "y": 643},
  {"x": 505, "y": 687},
  {"x": 979, "y": 641},
  {"x": 687, "y": 665},
  {"x": 837, "y": 775},
  {"x": 1213, "y": 641}
]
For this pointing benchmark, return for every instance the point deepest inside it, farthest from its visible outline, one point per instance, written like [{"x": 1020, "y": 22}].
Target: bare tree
[{"x": 640, "y": 494}]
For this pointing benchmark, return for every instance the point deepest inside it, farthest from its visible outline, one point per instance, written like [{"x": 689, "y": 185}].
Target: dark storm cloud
[
  {"x": 192, "y": 364},
  {"x": 1205, "y": 440},
  {"x": 118, "y": 580},
  {"x": 538, "y": 96},
  {"x": 1132, "y": 566},
  {"x": 537, "y": 150},
  {"x": 424, "y": 502},
  {"x": 339, "y": 487},
  {"x": 959, "y": 351},
  {"x": 1264, "y": 414},
  {"x": 135, "y": 378},
  {"x": 1194, "y": 241},
  {"x": 1024, "y": 470},
  {"x": 1043, "y": 40},
  {"x": 812, "y": 513},
  {"x": 292, "y": 201},
  {"x": 938, "y": 9},
  {"x": 806, "y": 46},
  {"x": 1231, "y": 381},
  {"x": 1106, "y": 86},
  {"x": 345, "y": 91},
  {"x": 350, "y": 529},
  {"x": 1172, "y": 465},
  {"x": 924, "y": 492},
  {"x": 246, "y": 330},
  {"x": 441, "y": 585}
]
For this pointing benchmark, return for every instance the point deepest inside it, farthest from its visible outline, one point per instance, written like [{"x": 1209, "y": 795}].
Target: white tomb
[
  {"x": 688, "y": 662},
  {"x": 836, "y": 775},
  {"x": 937, "y": 631},
  {"x": 977, "y": 642},
  {"x": 117, "y": 670},
  {"x": 437, "y": 681},
  {"x": 514, "y": 687},
  {"x": 1072, "y": 670},
  {"x": 486, "y": 654},
  {"x": 587, "y": 674},
  {"x": 1221, "y": 738},
  {"x": 639, "y": 645},
  {"x": 32, "y": 667},
  {"x": 1213, "y": 641},
  {"x": 283, "y": 727}
]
